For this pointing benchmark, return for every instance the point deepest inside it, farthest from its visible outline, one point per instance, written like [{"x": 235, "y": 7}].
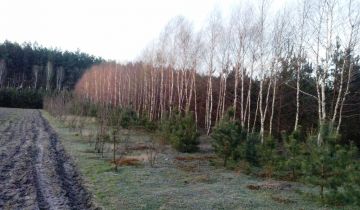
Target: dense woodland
[
  {"x": 298, "y": 67},
  {"x": 35, "y": 67}
]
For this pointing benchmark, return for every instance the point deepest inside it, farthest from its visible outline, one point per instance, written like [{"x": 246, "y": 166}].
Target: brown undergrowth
[{"x": 124, "y": 161}]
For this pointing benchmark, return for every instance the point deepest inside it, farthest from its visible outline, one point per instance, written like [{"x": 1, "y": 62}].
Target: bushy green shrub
[
  {"x": 184, "y": 136},
  {"x": 121, "y": 117},
  {"x": 128, "y": 117},
  {"x": 90, "y": 109},
  {"x": 331, "y": 167},
  {"x": 165, "y": 129},
  {"x": 181, "y": 132},
  {"x": 251, "y": 152},
  {"x": 226, "y": 138},
  {"x": 352, "y": 186},
  {"x": 293, "y": 151},
  {"x": 149, "y": 125},
  {"x": 115, "y": 116},
  {"x": 269, "y": 157}
]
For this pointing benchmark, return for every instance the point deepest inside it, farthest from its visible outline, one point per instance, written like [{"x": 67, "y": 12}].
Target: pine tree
[
  {"x": 184, "y": 136},
  {"x": 293, "y": 153},
  {"x": 227, "y": 136},
  {"x": 352, "y": 186},
  {"x": 330, "y": 167},
  {"x": 251, "y": 153},
  {"x": 269, "y": 157}
]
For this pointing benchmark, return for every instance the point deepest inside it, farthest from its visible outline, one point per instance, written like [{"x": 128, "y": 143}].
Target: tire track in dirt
[
  {"x": 15, "y": 167},
  {"x": 7, "y": 133},
  {"x": 35, "y": 172},
  {"x": 11, "y": 149}
]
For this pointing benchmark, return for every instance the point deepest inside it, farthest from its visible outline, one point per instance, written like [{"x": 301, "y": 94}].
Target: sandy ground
[{"x": 35, "y": 172}]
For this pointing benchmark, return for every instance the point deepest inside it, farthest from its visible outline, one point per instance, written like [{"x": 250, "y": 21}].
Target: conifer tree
[
  {"x": 269, "y": 157},
  {"x": 330, "y": 167},
  {"x": 227, "y": 136},
  {"x": 293, "y": 153},
  {"x": 251, "y": 153},
  {"x": 184, "y": 134}
]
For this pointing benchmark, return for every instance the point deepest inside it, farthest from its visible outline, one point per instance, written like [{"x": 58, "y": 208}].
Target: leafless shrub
[
  {"x": 124, "y": 161},
  {"x": 115, "y": 139},
  {"x": 90, "y": 136},
  {"x": 152, "y": 152},
  {"x": 103, "y": 130},
  {"x": 81, "y": 124}
]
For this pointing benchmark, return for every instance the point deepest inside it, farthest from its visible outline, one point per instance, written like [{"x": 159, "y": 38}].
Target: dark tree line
[
  {"x": 23, "y": 98},
  {"x": 30, "y": 65}
]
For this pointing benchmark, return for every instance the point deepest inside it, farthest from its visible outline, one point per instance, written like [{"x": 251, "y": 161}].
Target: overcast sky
[{"x": 112, "y": 29}]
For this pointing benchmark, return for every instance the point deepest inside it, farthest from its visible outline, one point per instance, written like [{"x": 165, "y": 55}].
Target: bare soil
[{"x": 35, "y": 171}]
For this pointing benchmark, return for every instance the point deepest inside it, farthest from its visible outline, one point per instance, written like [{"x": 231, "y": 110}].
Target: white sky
[{"x": 112, "y": 29}]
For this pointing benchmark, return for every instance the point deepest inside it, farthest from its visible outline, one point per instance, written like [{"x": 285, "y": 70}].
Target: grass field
[{"x": 178, "y": 180}]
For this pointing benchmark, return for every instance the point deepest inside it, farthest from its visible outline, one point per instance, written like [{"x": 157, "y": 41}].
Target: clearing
[
  {"x": 177, "y": 180},
  {"x": 37, "y": 173}
]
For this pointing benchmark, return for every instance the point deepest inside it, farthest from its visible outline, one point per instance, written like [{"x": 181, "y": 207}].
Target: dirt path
[{"x": 35, "y": 172}]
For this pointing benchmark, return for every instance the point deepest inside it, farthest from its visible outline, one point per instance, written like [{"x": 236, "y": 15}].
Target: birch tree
[
  {"x": 323, "y": 29},
  {"x": 278, "y": 44},
  {"x": 185, "y": 64},
  {"x": 263, "y": 67},
  {"x": 242, "y": 23},
  {"x": 213, "y": 33},
  {"x": 352, "y": 26},
  {"x": 224, "y": 63},
  {"x": 49, "y": 72},
  {"x": 302, "y": 19}
]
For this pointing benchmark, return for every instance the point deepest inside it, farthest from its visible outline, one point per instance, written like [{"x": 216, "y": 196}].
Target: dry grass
[
  {"x": 201, "y": 179},
  {"x": 192, "y": 163},
  {"x": 282, "y": 199},
  {"x": 188, "y": 167},
  {"x": 127, "y": 162},
  {"x": 243, "y": 167},
  {"x": 253, "y": 187},
  {"x": 139, "y": 147},
  {"x": 74, "y": 117},
  {"x": 193, "y": 158},
  {"x": 270, "y": 185}
]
